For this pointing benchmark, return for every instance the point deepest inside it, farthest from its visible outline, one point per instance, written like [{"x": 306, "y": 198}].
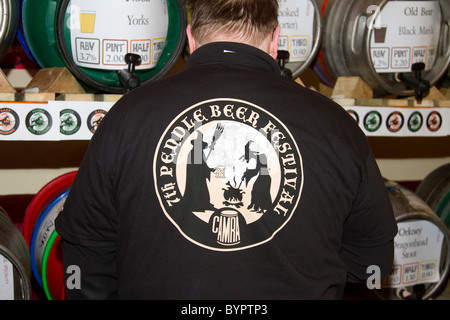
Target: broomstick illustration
[{"x": 217, "y": 133}]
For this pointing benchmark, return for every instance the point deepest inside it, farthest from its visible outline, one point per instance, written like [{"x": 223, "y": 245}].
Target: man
[{"x": 226, "y": 180}]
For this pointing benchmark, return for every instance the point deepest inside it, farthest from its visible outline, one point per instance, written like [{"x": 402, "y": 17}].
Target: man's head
[{"x": 253, "y": 22}]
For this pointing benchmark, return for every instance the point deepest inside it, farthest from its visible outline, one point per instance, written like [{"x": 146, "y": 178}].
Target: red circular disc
[{"x": 42, "y": 199}]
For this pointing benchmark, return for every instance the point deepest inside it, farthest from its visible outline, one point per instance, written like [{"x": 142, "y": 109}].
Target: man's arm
[
  {"x": 97, "y": 265},
  {"x": 359, "y": 258},
  {"x": 371, "y": 227},
  {"x": 87, "y": 223}
]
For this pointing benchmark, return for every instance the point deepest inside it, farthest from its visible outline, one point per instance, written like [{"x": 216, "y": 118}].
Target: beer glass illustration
[
  {"x": 380, "y": 33},
  {"x": 87, "y": 21}
]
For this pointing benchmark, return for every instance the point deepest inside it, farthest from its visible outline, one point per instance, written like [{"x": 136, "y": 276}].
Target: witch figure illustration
[
  {"x": 196, "y": 193},
  {"x": 260, "y": 196}
]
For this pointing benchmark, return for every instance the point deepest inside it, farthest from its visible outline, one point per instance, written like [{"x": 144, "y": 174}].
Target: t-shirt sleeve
[
  {"x": 371, "y": 226},
  {"x": 372, "y": 221}
]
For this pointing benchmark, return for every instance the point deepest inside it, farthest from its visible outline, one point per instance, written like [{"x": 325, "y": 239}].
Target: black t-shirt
[{"x": 226, "y": 181}]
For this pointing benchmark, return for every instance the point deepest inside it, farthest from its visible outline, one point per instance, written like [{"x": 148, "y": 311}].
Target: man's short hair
[{"x": 248, "y": 20}]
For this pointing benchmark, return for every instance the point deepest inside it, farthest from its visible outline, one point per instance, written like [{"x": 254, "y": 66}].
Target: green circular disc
[{"x": 38, "y": 19}]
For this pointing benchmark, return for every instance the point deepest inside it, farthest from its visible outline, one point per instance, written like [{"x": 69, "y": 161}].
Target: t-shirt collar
[{"x": 232, "y": 52}]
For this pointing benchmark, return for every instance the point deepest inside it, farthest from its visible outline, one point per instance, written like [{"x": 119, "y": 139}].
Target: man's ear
[
  {"x": 191, "y": 41},
  {"x": 273, "y": 48}
]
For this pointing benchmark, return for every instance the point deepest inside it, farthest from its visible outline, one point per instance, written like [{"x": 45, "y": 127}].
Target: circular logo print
[
  {"x": 9, "y": 121},
  {"x": 394, "y": 121},
  {"x": 94, "y": 119},
  {"x": 354, "y": 115},
  {"x": 39, "y": 121},
  {"x": 434, "y": 121},
  {"x": 372, "y": 121},
  {"x": 415, "y": 121},
  {"x": 70, "y": 121},
  {"x": 228, "y": 174}
]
